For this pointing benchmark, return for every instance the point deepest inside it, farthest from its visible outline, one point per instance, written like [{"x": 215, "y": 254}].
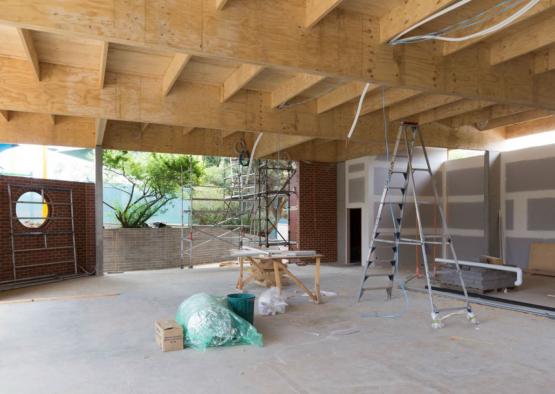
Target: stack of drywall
[{"x": 476, "y": 278}]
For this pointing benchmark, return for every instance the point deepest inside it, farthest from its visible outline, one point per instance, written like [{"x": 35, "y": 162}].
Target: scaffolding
[{"x": 248, "y": 207}]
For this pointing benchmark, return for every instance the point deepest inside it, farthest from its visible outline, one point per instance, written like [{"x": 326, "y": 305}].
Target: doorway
[{"x": 355, "y": 236}]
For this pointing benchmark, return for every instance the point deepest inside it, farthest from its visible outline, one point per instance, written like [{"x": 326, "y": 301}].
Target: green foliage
[{"x": 155, "y": 180}]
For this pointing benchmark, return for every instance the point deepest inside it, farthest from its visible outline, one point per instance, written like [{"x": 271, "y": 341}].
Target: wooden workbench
[{"x": 275, "y": 262}]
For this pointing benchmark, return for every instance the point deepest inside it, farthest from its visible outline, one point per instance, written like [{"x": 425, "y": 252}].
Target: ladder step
[
  {"x": 377, "y": 288},
  {"x": 379, "y": 275},
  {"x": 458, "y": 308},
  {"x": 381, "y": 261}
]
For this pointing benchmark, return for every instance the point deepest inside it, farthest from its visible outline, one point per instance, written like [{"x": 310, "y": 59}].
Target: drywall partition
[
  {"x": 465, "y": 185},
  {"x": 364, "y": 182},
  {"x": 528, "y": 201}
]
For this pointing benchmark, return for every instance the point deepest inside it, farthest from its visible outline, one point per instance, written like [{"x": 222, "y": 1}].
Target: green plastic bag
[{"x": 207, "y": 321}]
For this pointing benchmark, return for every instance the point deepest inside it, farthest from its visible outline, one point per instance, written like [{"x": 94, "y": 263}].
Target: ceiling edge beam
[
  {"x": 100, "y": 130},
  {"x": 102, "y": 63}
]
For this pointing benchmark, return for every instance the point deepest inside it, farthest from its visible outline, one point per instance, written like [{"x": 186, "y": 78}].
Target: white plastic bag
[{"x": 271, "y": 302}]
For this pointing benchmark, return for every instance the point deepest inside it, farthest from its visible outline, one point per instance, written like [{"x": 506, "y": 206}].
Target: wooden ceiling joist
[
  {"x": 176, "y": 66},
  {"x": 236, "y": 81},
  {"x": 293, "y": 88},
  {"x": 407, "y": 14},
  {"x": 220, "y": 4},
  {"x": 273, "y": 143},
  {"x": 104, "y": 46},
  {"x": 318, "y": 9},
  {"x": 30, "y": 52},
  {"x": 187, "y": 130},
  {"x": 5, "y": 115},
  {"x": 451, "y": 110},
  {"x": 408, "y": 108},
  {"x": 375, "y": 101},
  {"x": 544, "y": 61},
  {"x": 523, "y": 40},
  {"x": 341, "y": 95}
]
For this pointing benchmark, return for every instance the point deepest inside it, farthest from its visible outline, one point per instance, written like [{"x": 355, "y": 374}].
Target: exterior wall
[
  {"x": 527, "y": 201},
  {"x": 83, "y": 205},
  {"x": 314, "y": 219},
  {"x": 466, "y": 220},
  {"x": 132, "y": 249}
]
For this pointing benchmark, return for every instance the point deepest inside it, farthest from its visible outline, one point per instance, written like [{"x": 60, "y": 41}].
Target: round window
[{"x": 31, "y": 209}]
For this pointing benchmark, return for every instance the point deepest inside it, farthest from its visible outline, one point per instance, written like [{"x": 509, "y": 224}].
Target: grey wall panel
[
  {"x": 466, "y": 215},
  {"x": 541, "y": 214},
  {"x": 530, "y": 175},
  {"x": 468, "y": 248},
  {"x": 465, "y": 182},
  {"x": 356, "y": 190},
  {"x": 421, "y": 179},
  {"x": 429, "y": 215},
  {"x": 356, "y": 167},
  {"x": 509, "y": 214},
  {"x": 518, "y": 250}
]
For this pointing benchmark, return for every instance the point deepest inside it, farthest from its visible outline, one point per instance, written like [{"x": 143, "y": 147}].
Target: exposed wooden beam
[
  {"x": 273, "y": 143},
  {"x": 240, "y": 77},
  {"x": 318, "y": 9},
  {"x": 341, "y": 95},
  {"x": 30, "y": 52},
  {"x": 227, "y": 133},
  {"x": 408, "y": 108},
  {"x": 517, "y": 118},
  {"x": 531, "y": 127},
  {"x": 375, "y": 101},
  {"x": 348, "y": 49},
  {"x": 544, "y": 60},
  {"x": 100, "y": 130},
  {"x": 102, "y": 63},
  {"x": 5, "y": 115},
  {"x": 523, "y": 40},
  {"x": 407, "y": 14},
  {"x": 144, "y": 126},
  {"x": 187, "y": 130},
  {"x": 52, "y": 119},
  {"x": 452, "y": 47},
  {"x": 173, "y": 72},
  {"x": 481, "y": 118},
  {"x": 220, "y": 4},
  {"x": 450, "y": 110},
  {"x": 293, "y": 88}
]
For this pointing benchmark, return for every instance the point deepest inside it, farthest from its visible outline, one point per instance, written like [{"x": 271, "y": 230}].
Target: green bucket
[{"x": 243, "y": 305}]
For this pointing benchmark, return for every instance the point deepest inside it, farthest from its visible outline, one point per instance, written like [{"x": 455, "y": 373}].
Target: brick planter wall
[
  {"x": 83, "y": 205},
  {"x": 313, "y": 209},
  {"x": 131, "y": 249}
]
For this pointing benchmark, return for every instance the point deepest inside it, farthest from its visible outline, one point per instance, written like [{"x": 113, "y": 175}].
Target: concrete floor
[{"x": 106, "y": 344}]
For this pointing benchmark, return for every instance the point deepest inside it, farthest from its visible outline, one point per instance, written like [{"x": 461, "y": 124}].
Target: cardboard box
[{"x": 169, "y": 335}]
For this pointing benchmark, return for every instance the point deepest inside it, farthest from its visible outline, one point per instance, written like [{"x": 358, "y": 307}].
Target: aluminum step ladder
[{"x": 387, "y": 238}]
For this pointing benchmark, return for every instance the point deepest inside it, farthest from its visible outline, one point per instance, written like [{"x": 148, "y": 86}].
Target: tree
[{"x": 155, "y": 180}]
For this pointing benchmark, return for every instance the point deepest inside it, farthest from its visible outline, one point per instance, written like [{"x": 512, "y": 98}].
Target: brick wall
[
  {"x": 133, "y": 249},
  {"x": 313, "y": 209},
  {"x": 46, "y": 262}
]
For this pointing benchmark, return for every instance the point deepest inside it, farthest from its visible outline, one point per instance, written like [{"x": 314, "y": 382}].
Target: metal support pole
[{"x": 99, "y": 210}]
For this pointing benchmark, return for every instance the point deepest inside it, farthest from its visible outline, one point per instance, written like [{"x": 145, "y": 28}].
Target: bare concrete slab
[{"x": 106, "y": 344}]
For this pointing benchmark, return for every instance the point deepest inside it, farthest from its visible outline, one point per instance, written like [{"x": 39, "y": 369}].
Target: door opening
[{"x": 355, "y": 236}]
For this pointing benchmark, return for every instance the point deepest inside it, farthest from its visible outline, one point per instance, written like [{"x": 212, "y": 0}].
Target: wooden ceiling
[{"x": 195, "y": 76}]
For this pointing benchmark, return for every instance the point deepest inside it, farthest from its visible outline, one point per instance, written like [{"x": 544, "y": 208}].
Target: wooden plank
[
  {"x": 5, "y": 115},
  {"x": 30, "y": 52},
  {"x": 318, "y": 9},
  {"x": 544, "y": 61},
  {"x": 452, "y": 47},
  {"x": 419, "y": 104},
  {"x": 220, "y": 4},
  {"x": 484, "y": 118},
  {"x": 524, "y": 40},
  {"x": 450, "y": 110},
  {"x": 236, "y": 81},
  {"x": 510, "y": 120},
  {"x": 273, "y": 143},
  {"x": 542, "y": 259},
  {"x": 102, "y": 63},
  {"x": 187, "y": 130},
  {"x": 341, "y": 95},
  {"x": 52, "y": 119},
  {"x": 226, "y": 134},
  {"x": 173, "y": 72},
  {"x": 530, "y": 127},
  {"x": 293, "y": 88},
  {"x": 100, "y": 130},
  {"x": 407, "y": 14},
  {"x": 375, "y": 101}
]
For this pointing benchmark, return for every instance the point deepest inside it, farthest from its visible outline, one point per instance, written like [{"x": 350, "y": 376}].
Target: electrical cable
[
  {"x": 359, "y": 108},
  {"x": 464, "y": 24}
]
